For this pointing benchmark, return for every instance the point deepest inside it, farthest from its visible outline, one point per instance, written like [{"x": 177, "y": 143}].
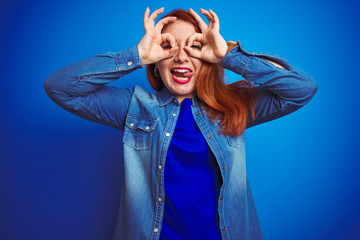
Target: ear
[{"x": 157, "y": 71}]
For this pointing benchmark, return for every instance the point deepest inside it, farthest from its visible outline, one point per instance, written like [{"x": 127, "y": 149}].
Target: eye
[
  {"x": 165, "y": 45},
  {"x": 196, "y": 46}
]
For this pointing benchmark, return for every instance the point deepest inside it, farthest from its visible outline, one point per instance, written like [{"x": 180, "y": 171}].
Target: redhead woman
[{"x": 184, "y": 158}]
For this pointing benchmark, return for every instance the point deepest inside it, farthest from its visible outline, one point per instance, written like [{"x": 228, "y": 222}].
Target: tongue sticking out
[{"x": 182, "y": 75}]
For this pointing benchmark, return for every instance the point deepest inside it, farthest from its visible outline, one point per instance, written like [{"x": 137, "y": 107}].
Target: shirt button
[
  {"x": 223, "y": 167},
  {"x": 160, "y": 167},
  {"x": 210, "y": 137},
  {"x": 197, "y": 114},
  {"x": 222, "y": 198},
  {"x": 131, "y": 124},
  {"x": 224, "y": 228},
  {"x": 160, "y": 199},
  {"x": 147, "y": 128},
  {"x": 129, "y": 63},
  {"x": 174, "y": 114},
  {"x": 167, "y": 134},
  {"x": 156, "y": 230}
]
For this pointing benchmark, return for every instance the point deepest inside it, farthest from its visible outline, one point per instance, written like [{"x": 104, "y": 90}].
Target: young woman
[{"x": 184, "y": 160}]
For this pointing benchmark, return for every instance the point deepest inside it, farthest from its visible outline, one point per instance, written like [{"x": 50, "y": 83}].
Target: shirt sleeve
[
  {"x": 81, "y": 89},
  {"x": 279, "y": 91}
]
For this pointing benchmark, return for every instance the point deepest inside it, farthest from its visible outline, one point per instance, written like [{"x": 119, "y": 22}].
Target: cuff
[
  {"x": 236, "y": 53},
  {"x": 128, "y": 59},
  {"x": 244, "y": 57},
  {"x": 231, "y": 45}
]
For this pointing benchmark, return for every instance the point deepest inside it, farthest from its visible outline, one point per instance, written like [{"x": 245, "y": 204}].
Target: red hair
[{"x": 232, "y": 104}]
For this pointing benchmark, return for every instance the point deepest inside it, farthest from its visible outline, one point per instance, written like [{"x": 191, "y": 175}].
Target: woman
[{"x": 184, "y": 159}]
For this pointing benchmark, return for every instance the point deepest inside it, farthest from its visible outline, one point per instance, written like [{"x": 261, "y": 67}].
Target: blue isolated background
[{"x": 60, "y": 174}]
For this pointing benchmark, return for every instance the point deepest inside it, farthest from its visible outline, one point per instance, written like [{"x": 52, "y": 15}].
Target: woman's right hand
[{"x": 150, "y": 49}]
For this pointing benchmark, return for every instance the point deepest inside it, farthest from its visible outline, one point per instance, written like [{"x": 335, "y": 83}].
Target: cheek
[
  {"x": 197, "y": 64},
  {"x": 162, "y": 66}
]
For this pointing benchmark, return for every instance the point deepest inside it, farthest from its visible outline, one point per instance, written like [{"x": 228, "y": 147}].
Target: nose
[{"x": 181, "y": 55}]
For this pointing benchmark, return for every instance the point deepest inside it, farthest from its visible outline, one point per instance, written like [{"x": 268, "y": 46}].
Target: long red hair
[{"x": 232, "y": 104}]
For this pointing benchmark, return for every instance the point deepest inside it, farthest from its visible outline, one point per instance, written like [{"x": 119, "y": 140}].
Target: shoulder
[
  {"x": 143, "y": 103},
  {"x": 143, "y": 95}
]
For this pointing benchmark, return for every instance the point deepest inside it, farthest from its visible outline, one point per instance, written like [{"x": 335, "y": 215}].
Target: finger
[
  {"x": 202, "y": 25},
  {"x": 160, "y": 25},
  {"x": 146, "y": 18},
  {"x": 156, "y": 13},
  {"x": 207, "y": 15},
  {"x": 194, "y": 37},
  {"x": 167, "y": 37},
  {"x": 216, "y": 19},
  {"x": 213, "y": 15},
  {"x": 192, "y": 53},
  {"x": 172, "y": 52}
]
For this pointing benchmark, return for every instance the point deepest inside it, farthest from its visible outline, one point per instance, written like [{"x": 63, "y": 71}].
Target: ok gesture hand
[
  {"x": 150, "y": 49},
  {"x": 214, "y": 46}
]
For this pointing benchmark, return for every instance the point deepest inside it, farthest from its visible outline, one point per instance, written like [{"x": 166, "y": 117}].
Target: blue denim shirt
[{"x": 148, "y": 121}]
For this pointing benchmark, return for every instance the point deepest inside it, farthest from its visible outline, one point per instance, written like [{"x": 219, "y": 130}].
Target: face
[{"x": 179, "y": 73}]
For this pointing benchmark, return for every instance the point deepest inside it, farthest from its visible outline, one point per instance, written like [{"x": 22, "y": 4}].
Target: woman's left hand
[{"x": 214, "y": 46}]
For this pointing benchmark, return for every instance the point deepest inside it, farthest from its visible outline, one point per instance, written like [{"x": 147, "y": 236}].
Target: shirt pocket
[
  {"x": 236, "y": 141},
  {"x": 139, "y": 132}
]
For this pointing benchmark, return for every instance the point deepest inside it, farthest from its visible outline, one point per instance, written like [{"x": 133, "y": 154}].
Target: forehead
[{"x": 181, "y": 30}]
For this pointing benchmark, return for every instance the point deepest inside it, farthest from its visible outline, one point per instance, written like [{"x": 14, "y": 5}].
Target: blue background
[{"x": 60, "y": 174}]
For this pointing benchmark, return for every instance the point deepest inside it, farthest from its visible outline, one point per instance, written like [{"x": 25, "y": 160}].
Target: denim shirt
[{"x": 148, "y": 121}]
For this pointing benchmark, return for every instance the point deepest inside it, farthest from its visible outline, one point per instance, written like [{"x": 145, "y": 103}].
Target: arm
[
  {"x": 80, "y": 87},
  {"x": 281, "y": 88}
]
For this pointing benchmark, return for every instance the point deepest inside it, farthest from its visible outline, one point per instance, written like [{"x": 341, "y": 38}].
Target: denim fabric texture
[{"x": 148, "y": 121}]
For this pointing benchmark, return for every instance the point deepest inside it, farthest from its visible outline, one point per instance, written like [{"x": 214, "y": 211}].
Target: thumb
[
  {"x": 192, "y": 52},
  {"x": 172, "y": 51}
]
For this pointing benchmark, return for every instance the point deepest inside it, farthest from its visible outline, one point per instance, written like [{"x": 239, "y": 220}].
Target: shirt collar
[{"x": 165, "y": 97}]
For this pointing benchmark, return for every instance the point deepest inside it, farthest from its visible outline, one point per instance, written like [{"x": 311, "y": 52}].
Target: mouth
[{"x": 181, "y": 75}]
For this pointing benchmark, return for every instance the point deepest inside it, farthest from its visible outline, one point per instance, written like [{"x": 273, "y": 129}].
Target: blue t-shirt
[{"x": 192, "y": 183}]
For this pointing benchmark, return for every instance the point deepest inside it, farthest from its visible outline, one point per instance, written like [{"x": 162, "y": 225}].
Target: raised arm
[
  {"x": 81, "y": 87},
  {"x": 280, "y": 87}
]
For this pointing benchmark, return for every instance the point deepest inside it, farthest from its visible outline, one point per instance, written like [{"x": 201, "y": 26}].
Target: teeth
[
  {"x": 181, "y": 70},
  {"x": 181, "y": 78}
]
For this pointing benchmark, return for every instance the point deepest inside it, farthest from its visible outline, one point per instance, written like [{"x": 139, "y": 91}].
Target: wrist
[
  {"x": 223, "y": 51},
  {"x": 141, "y": 56}
]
